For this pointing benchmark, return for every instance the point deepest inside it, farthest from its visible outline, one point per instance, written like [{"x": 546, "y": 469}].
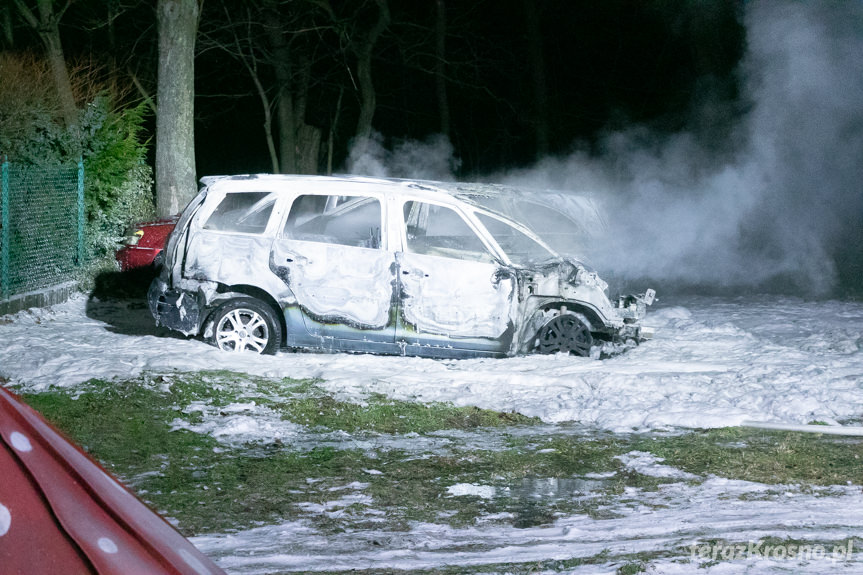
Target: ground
[{"x": 317, "y": 462}]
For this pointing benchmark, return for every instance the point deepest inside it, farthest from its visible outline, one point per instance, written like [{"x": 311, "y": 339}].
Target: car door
[
  {"x": 452, "y": 291},
  {"x": 331, "y": 254}
]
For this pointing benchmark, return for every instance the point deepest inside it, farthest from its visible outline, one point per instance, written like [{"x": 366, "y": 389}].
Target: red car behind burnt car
[{"x": 143, "y": 246}]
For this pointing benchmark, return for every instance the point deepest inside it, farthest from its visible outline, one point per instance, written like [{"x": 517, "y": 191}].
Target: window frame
[
  {"x": 517, "y": 226},
  {"x": 491, "y": 248},
  {"x": 215, "y": 200},
  {"x": 361, "y": 193}
]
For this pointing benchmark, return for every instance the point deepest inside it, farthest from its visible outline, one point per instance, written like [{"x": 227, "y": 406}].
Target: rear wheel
[
  {"x": 564, "y": 333},
  {"x": 246, "y": 324}
]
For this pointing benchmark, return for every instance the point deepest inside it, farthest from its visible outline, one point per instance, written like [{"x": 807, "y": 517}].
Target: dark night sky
[{"x": 608, "y": 64}]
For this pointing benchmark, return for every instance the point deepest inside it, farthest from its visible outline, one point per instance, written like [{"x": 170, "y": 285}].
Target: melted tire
[{"x": 564, "y": 333}]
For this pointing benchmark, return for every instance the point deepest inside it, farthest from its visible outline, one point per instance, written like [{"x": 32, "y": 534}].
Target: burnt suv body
[{"x": 377, "y": 265}]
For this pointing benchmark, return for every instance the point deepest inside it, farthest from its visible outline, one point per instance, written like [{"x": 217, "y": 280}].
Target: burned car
[{"x": 260, "y": 262}]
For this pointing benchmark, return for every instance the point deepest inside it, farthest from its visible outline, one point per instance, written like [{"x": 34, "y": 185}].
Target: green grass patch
[
  {"x": 384, "y": 415},
  {"x": 771, "y": 457}
]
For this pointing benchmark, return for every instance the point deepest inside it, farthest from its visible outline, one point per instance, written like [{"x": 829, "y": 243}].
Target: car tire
[
  {"x": 564, "y": 333},
  {"x": 246, "y": 324}
]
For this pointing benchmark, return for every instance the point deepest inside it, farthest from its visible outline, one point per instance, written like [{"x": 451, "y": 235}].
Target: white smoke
[
  {"x": 432, "y": 159},
  {"x": 779, "y": 208}
]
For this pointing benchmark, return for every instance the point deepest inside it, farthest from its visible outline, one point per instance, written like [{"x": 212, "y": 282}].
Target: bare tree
[
  {"x": 6, "y": 25},
  {"x": 175, "y": 128},
  {"x": 440, "y": 68},
  {"x": 299, "y": 142},
  {"x": 285, "y": 97},
  {"x": 243, "y": 47},
  {"x": 364, "y": 48},
  {"x": 537, "y": 68},
  {"x": 308, "y": 137},
  {"x": 46, "y": 22},
  {"x": 276, "y": 43},
  {"x": 362, "y": 45}
]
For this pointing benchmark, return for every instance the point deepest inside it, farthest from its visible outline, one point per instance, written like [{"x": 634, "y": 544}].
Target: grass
[
  {"x": 209, "y": 486},
  {"x": 389, "y": 416},
  {"x": 140, "y": 429},
  {"x": 761, "y": 456}
]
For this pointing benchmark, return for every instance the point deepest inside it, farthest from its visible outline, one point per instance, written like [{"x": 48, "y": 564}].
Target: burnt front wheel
[
  {"x": 564, "y": 333},
  {"x": 246, "y": 324}
]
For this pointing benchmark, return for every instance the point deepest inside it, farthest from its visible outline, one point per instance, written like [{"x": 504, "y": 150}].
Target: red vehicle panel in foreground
[{"x": 60, "y": 512}]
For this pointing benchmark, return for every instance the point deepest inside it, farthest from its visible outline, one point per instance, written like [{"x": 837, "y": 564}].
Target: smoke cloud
[
  {"x": 778, "y": 211},
  {"x": 779, "y": 208},
  {"x": 432, "y": 159}
]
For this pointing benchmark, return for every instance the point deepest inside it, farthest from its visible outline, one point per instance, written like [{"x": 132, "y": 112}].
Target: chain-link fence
[{"x": 41, "y": 226}]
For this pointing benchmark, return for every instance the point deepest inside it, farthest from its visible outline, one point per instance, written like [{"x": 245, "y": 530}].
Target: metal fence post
[
  {"x": 4, "y": 230},
  {"x": 80, "y": 212}
]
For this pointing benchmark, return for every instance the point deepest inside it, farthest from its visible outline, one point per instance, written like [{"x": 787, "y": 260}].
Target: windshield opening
[{"x": 521, "y": 249}]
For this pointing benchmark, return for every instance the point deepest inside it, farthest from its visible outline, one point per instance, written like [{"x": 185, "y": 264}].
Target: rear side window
[
  {"x": 245, "y": 212},
  {"x": 344, "y": 220}
]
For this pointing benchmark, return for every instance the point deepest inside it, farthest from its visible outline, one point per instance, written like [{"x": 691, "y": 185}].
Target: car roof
[
  {"x": 486, "y": 197},
  {"x": 446, "y": 192},
  {"x": 475, "y": 193}
]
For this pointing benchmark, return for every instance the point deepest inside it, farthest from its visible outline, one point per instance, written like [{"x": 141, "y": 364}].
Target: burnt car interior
[
  {"x": 343, "y": 220},
  {"x": 439, "y": 231},
  {"x": 246, "y": 213}
]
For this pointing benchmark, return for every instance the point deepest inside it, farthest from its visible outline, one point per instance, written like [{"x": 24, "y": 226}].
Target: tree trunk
[
  {"x": 364, "y": 53},
  {"x": 440, "y": 69},
  {"x": 537, "y": 68},
  {"x": 8, "y": 30},
  {"x": 309, "y": 146},
  {"x": 268, "y": 119},
  {"x": 308, "y": 139},
  {"x": 287, "y": 130},
  {"x": 175, "y": 128},
  {"x": 61, "y": 75}
]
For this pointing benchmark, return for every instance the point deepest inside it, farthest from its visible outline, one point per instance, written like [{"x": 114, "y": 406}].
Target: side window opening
[
  {"x": 244, "y": 212},
  {"x": 441, "y": 231},
  {"x": 343, "y": 220}
]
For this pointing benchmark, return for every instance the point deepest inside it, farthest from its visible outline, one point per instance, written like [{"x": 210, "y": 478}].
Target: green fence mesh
[{"x": 41, "y": 226}]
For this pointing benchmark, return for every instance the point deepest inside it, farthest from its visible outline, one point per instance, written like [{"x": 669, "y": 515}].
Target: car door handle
[{"x": 292, "y": 257}]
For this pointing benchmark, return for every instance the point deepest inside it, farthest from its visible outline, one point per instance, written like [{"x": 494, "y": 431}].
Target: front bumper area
[{"x": 632, "y": 309}]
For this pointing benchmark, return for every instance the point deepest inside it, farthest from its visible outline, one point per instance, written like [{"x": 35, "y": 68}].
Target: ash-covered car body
[{"x": 377, "y": 265}]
